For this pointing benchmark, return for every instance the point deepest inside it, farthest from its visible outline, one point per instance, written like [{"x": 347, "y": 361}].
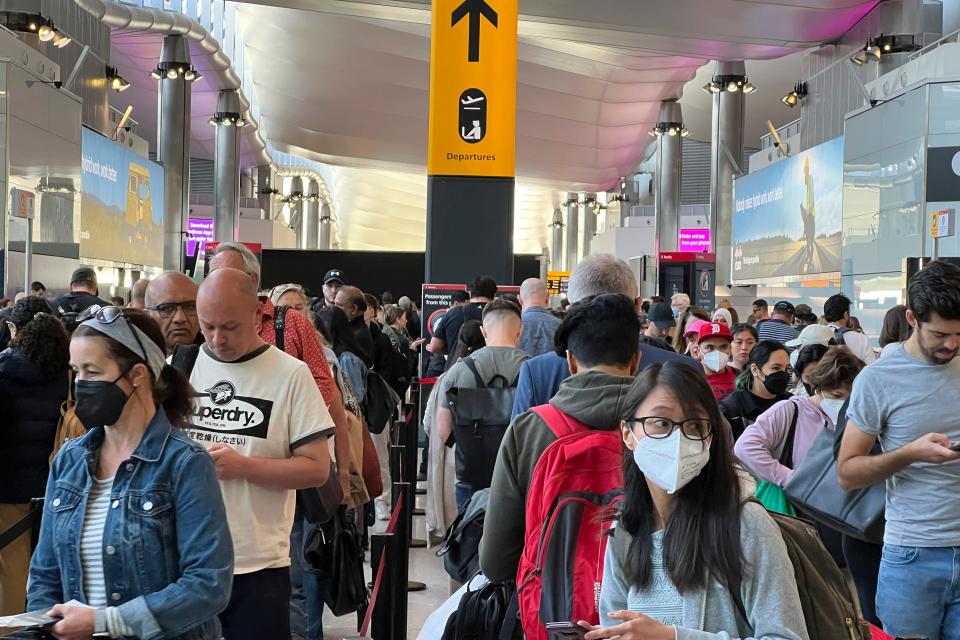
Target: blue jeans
[
  {"x": 918, "y": 591},
  {"x": 462, "y": 492},
  {"x": 308, "y": 591}
]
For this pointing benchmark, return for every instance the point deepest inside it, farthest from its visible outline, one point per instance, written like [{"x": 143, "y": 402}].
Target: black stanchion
[
  {"x": 402, "y": 557},
  {"x": 410, "y": 458},
  {"x": 386, "y": 622}
]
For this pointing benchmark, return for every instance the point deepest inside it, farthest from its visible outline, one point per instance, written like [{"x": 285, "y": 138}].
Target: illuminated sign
[
  {"x": 473, "y": 88},
  {"x": 199, "y": 232},
  {"x": 695, "y": 240},
  {"x": 558, "y": 282}
]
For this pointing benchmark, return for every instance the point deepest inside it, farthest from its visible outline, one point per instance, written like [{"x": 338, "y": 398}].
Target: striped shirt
[
  {"x": 777, "y": 330},
  {"x": 91, "y": 556}
]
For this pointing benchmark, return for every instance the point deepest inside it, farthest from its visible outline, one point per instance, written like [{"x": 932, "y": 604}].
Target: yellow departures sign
[{"x": 473, "y": 88}]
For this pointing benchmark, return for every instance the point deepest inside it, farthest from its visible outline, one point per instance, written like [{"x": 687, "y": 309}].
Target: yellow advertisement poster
[{"x": 473, "y": 88}]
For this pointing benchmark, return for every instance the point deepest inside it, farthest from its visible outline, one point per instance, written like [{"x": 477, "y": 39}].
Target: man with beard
[{"x": 909, "y": 402}]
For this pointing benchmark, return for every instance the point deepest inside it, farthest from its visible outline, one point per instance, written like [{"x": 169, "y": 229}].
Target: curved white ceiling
[{"x": 345, "y": 82}]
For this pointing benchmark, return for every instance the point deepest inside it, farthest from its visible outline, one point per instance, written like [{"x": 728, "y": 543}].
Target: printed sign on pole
[
  {"x": 473, "y": 88},
  {"x": 558, "y": 282}
]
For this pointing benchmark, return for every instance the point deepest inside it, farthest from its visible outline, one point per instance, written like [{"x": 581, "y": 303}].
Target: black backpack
[
  {"x": 489, "y": 613},
  {"x": 838, "y": 333},
  {"x": 381, "y": 403},
  {"x": 461, "y": 544},
  {"x": 481, "y": 416}
]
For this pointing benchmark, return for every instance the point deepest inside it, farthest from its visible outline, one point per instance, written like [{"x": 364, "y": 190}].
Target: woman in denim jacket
[{"x": 134, "y": 523}]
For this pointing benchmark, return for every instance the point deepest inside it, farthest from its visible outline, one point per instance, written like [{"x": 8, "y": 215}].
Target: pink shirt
[{"x": 761, "y": 444}]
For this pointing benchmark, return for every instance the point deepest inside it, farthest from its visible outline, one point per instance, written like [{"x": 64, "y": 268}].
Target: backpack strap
[
  {"x": 559, "y": 422},
  {"x": 280, "y": 325},
  {"x": 473, "y": 369},
  {"x": 786, "y": 456}
]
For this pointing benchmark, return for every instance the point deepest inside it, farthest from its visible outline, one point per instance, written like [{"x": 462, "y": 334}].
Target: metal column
[
  {"x": 556, "y": 243},
  {"x": 589, "y": 223},
  {"x": 573, "y": 233},
  {"x": 669, "y": 161},
  {"x": 296, "y": 209},
  {"x": 312, "y": 213},
  {"x": 726, "y": 149},
  {"x": 173, "y": 151},
  {"x": 265, "y": 183},
  {"x": 326, "y": 228},
  {"x": 226, "y": 167}
]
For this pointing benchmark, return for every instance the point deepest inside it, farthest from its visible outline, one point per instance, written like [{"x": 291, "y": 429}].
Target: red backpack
[{"x": 577, "y": 480}]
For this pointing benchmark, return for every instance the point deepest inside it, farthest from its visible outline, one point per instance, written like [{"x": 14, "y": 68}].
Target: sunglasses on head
[{"x": 109, "y": 315}]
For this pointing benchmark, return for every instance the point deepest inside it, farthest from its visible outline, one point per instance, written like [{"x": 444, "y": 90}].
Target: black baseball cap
[
  {"x": 83, "y": 274},
  {"x": 334, "y": 274},
  {"x": 784, "y": 307},
  {"x": 661, "y": 315}
]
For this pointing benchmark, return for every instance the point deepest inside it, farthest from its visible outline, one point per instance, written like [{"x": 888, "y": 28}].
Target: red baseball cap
[{"x": 714, "y": 330}]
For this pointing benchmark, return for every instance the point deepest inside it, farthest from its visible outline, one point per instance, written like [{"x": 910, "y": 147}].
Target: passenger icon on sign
[{"x": 473, "y": 116}]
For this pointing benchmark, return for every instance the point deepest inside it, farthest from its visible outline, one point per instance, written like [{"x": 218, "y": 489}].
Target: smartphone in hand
[{"x": 565, "y": 631}]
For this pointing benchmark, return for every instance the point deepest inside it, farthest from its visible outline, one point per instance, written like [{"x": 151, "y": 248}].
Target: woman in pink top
[{"x": 761, "y": 444}]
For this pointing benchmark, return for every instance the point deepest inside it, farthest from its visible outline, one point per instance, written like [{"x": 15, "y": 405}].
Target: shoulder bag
[{"x": 815, "y": 490}]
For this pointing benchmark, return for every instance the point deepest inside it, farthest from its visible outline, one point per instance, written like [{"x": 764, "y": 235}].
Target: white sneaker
[{"x": 383, "y": 511}]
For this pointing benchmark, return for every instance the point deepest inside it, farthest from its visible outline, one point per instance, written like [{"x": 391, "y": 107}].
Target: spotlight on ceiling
[
  {"x": 669, "y": 129},
  {"x": 45, "y": 33},
  {"x": 227, "y": 119},
  {"x": 885, "y": 44},
  {"x": 174, "y": 70},
  {"x": 117, "y": 82},
  {"x": 793, "y": 98},
  {"x": 730, "y": 84}
]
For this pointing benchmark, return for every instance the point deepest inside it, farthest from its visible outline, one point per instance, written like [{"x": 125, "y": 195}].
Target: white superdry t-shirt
[{"x": 264, "y": 405}]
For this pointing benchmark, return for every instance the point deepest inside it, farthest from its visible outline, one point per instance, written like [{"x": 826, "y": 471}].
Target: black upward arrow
[{"x": 474, "y": 8}]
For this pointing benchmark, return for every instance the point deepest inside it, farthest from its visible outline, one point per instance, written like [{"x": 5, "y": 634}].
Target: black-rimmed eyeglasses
[
  {"x": 169, "y": 309},
  {"x": 658, "y": 427}
]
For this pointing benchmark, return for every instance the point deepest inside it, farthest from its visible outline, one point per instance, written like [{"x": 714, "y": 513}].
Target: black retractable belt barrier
[
  {"x": 384, "y": 623},
  {"x": 401, "y": 554}
]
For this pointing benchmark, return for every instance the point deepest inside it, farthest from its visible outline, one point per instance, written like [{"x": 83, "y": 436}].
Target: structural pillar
[
  {"x": 296, "y": 209},
  {"x": 471, "y": 147},
  {"x": 226, "y": 166},
  {"x": 265, "y": 186},
  {"x": 556, "y": 241},
  {"x": 573, "y": 231},
  {"x": 669, "y": 166},
  {"x": 173, "y": 147},
  {"x": 326, "y": 228},
  {"x": 312, "y": 213},
  {"x": 726, "y": 152},
  {"x": 589, "y": 223}
]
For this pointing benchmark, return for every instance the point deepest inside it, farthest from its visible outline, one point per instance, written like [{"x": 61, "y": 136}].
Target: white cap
[{"x": 813, "y": 334}]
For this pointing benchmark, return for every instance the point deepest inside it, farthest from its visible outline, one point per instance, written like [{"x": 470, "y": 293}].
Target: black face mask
[
  {"x": 98, "y": 402},
  {"x": 777, "y": 382}
]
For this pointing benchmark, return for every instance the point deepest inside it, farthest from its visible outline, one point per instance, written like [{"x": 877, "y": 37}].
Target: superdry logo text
[{"x": 222, "y": 411}]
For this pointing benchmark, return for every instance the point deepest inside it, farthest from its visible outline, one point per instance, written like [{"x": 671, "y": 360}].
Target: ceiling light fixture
[
  {"x": 885, "y": 44},
  {"x": 117, "y": 82},
  {"x": 730, "y": 84},
  {"x": 793, "y": 98},
  {"x": 175, "y": 61},
  {"x": 669, "y": 129},
  {"x": 36, "y": 24}
]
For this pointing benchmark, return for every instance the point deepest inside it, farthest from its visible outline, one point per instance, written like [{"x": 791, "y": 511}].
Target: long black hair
[
  {"x": 469, "y": 339},
  {"x": 760, "y": 356},
  {"x": 172, "y": 389},
  {"x": 335, "y": 325},
  {"x": 702, "y": 536}
]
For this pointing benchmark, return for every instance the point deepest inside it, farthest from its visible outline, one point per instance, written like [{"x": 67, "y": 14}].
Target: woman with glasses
[
  {"x": 762, "y": 383},
  {"x": 33, "y": 385},
  {"x": 688, "y": 557},
  {"x": 134, "y": 525},
  {"x": 289, "y": 295}
]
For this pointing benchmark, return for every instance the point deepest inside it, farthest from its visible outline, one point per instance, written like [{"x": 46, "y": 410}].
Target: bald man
[
  {"x": 265, "y": 424},
  {"x": 138, "y": 294},
  {"x": 539, "y": 324},
  {"x": 171, "y": 298}
]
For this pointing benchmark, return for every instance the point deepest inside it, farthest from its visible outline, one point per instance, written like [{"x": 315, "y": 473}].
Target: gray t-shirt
[
  {"x": 899, "y": 399},
  {"x": 490, "y": 361}
]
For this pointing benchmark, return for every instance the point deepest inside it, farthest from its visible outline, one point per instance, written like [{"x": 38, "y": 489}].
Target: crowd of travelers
[{"x": 632, "y": 468}]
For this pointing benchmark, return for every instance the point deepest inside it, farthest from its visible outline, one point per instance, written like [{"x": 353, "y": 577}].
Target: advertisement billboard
[
  {"x": 121, "y": 203},
  {"x": 695, "y": 240},
  {"x": 787, "y": 217}
]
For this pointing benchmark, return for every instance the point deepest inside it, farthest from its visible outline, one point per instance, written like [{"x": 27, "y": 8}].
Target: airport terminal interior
[{"x": 476, "y": 319}]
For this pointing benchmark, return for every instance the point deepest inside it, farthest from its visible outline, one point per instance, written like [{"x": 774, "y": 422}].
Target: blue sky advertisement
[
  {"x": 121, "y": 204},
  {"x": 787, "y": 218}
]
